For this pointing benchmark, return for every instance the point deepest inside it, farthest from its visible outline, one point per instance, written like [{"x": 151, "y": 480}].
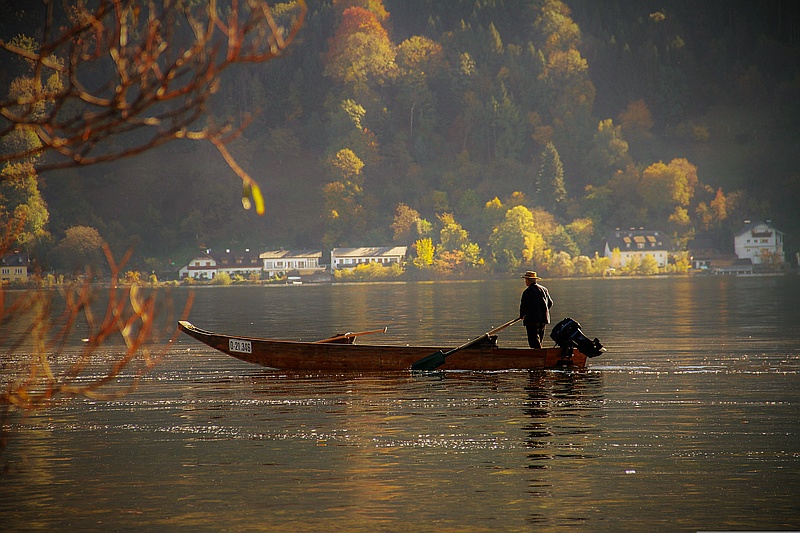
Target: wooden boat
[{"x": 341, "y": 354}]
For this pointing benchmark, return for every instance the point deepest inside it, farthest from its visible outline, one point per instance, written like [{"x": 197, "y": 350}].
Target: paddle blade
[{"x": 431, "y": 362}]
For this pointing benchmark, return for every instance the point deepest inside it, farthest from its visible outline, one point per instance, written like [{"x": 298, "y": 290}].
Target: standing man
[{"x": 534, "y": 309}]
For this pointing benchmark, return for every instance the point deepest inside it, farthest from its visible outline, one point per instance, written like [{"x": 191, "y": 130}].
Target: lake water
[{"x": 689, "y": 422}]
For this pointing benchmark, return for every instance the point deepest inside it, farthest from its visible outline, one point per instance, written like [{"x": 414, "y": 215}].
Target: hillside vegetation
[{"x": 505, "y": 132}]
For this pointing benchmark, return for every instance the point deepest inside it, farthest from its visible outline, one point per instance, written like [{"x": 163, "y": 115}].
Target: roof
[
  {"x": 227, "y": 259},
  {"x": 701, "y": 242},
  {"x": 650, "y": 239},
  {"x": 751, "y": 227},
  {"x": 234, "y": 258},
  {"x": 15, "y": 259},
  {"x": 370, "y": 251},
  {"x": 201, "y": 255},
  {"x": 289, "y": 254}
]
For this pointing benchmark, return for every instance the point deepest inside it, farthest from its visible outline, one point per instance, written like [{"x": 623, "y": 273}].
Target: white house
[
  {"x": 352, "y": 257},
  {"x": 279, "y": 262},
  {"x": 202, "y": 266},
  {"x": 637, "y": 243},
  {"x": 757, "y": 241}
]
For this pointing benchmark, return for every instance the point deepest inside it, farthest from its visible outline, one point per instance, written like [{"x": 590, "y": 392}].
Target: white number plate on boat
[{"x": 238, "y": 345}]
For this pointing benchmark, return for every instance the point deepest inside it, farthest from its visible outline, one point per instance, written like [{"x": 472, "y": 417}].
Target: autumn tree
[
  {"x": 609, "y": 153},
  {"x": 582, "y": 265},
  {"x": 561, "y": 265},
  {"x": 667, "y": 189},
  {"x": 346, "y": 129},
  {"x": 713, "y": 213},
  {"x": 549, "y": 186},
  {"x": 601, "y": 264},
  {"x": 408, "y": 225},
  {"x": 425, "y": 250},
  {"x": 516, "y": 241},
  {"x": 21, "y": 204},
  {"x": 360, "y": 53},
  {"x": 343, "y": 198},
  {"x": 581, "y": 230},
  {"x": 419, "y": 60},
  {"x": 555, "y": 235},
  {"x": 648, "y": 265},
  {"x": 636, "y": 119},
  {"x": 375, "y": 7},
  {"x": 452, "y": 236},
  {"x": 81, "y": 248},
  {"x": 455, "y": 247},
  {"x": 566, "y": 72}
]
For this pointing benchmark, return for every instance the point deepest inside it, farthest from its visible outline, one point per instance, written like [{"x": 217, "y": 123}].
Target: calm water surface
[{"x": 689, "y": 422}]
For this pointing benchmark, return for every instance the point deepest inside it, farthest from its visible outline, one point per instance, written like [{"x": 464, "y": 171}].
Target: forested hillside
[{"x": 505, "y": 132}]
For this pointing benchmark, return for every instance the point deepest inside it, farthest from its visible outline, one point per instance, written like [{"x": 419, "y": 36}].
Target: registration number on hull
[{"x": 239, "y": 345}]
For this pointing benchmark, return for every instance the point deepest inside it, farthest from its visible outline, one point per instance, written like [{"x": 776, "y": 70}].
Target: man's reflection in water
[{"x": 564, "y": 408}]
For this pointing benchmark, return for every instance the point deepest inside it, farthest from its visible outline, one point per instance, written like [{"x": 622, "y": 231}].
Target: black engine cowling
[{"x": 568, "y": 334}]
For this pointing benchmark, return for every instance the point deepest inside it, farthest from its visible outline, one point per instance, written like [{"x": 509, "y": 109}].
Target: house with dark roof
[
  {"x": 14, "y": 267},
  {"x": 637, "y": 243},
  {"x": 206, "y": 265},
  {"x": 242, "y": 263}
]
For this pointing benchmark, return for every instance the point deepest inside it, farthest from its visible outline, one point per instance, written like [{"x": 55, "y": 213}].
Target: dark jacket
[{"x": 535, "y": 305}]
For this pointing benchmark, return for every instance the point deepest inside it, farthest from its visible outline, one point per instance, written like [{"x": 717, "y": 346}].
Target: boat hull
[{"x": 336, "y": 357}]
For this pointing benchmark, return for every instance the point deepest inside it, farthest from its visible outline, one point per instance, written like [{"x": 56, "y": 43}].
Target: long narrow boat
[{"x": 343, "y": 355}]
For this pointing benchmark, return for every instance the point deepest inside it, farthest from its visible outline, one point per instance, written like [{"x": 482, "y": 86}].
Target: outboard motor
[{"x": 568, "y": 334}]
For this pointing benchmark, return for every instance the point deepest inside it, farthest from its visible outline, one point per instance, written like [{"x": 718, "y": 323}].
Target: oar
[
  {"x": 348, "y": 335},
  {"x": 435, "y": 360}
]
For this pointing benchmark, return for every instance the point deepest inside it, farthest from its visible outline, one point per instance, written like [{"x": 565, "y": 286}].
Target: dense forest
[{"x": 478, "y": 132}]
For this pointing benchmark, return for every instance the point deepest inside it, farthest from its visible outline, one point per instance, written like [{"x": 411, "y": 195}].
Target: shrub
[
  {"x": 369, "y": 272},
  {"x": 222, "y": 278}
]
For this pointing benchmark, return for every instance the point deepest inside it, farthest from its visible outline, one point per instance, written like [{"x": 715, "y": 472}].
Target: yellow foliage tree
[{"x": 636, "y": 118}]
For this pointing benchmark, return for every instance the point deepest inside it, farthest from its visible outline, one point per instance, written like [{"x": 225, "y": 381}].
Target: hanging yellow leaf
[
  {"x": 257, "y": 198},
  {"x": 251, "y": 195}
]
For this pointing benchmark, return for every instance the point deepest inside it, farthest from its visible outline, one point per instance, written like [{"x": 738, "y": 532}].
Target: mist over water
[{"x": 688, "y": 423}]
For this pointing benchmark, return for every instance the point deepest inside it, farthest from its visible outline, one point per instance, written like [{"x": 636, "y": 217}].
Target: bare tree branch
[
  {"x": 126, "y": 76},
  {"x": 38, "y": 368}
]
